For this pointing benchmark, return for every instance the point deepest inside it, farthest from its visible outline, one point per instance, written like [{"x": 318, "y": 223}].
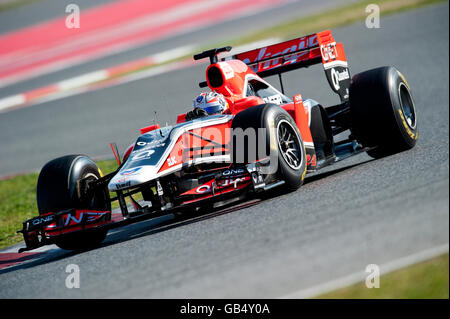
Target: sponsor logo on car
[
  {"x": 171, "y": 160},
  {"x": 203, "y": 189},
  {"x": 131, "y": 171},
  {"x": 229, "y": 172},
  {"x": 142, "y": 155},
  {"x": 78, "y": 217},
  {"x": 232, "y": 181},
  {"x": 265, "y": 52},
  {"x": 227, "y": 70},
  {"x": 41, "y": 220},
  {"x": 122, "y": 185},
  {"x": 329, "y": 51}
]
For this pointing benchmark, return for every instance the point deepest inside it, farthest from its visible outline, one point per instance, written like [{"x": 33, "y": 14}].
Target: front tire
[
  {"x": 383, "y": 112},
  {"x": 57, "y": 191}
]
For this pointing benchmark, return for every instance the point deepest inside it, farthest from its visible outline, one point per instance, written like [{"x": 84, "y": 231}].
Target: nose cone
[{"x": 130, "y": 177}]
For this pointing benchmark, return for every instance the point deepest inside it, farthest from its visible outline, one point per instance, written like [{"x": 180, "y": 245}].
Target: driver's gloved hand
[{"x": 196, "y": 113}]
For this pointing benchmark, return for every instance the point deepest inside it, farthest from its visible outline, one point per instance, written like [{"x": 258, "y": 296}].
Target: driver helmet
[{"x": 211, "y": 102}]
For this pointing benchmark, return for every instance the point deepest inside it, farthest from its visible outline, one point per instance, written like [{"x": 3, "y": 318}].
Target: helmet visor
[{"x": 214, "y": 109}]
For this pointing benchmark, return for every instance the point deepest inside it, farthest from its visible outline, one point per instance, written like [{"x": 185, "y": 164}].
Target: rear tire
[
  {"x": 283, "y": 139},
  {"x": 57, "y": 191},
  {"x": 383, "y": 111}
]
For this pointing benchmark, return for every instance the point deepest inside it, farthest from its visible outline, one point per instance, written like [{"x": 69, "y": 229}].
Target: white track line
[
  {"x": 172, "y": 54},
  {"x": 11, "y": 101},
  {"x": 90, "y": 78},
  {"x": 82, "y": 80},
  {"x": 154, "y": 71},
  {"x": 361, "y": 276}
]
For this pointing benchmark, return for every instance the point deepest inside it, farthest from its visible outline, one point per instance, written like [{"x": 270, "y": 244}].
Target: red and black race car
[{"x": 265, "y": 140}]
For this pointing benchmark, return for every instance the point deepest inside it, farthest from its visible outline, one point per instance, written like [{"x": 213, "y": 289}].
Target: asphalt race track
[{"x": 350, "y": 215}]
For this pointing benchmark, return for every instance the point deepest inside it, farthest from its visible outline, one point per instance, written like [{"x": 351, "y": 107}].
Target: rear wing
[{"x": 299, "y": 53}]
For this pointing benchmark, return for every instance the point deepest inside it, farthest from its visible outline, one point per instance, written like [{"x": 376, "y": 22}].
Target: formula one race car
[{"x": 265, "y": 140}]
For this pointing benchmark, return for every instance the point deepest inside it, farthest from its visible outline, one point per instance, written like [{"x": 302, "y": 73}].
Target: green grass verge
[
  {"x": 425, "y": 280},
  {"x": 14, "y": 4},
  {"x": 18, "y": 203}
]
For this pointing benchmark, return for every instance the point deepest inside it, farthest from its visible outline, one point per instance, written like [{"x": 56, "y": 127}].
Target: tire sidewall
[
  {"x": 57, "y": 185},
  {"x": 84, "y": 167},
  {"x": 293, "y": 178},
  {"x": 378, "y": 120},
  {"x": 268, "y": 116},
  {"x": 396, "y": 81},
  {"x": 57, "y": 190}
]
